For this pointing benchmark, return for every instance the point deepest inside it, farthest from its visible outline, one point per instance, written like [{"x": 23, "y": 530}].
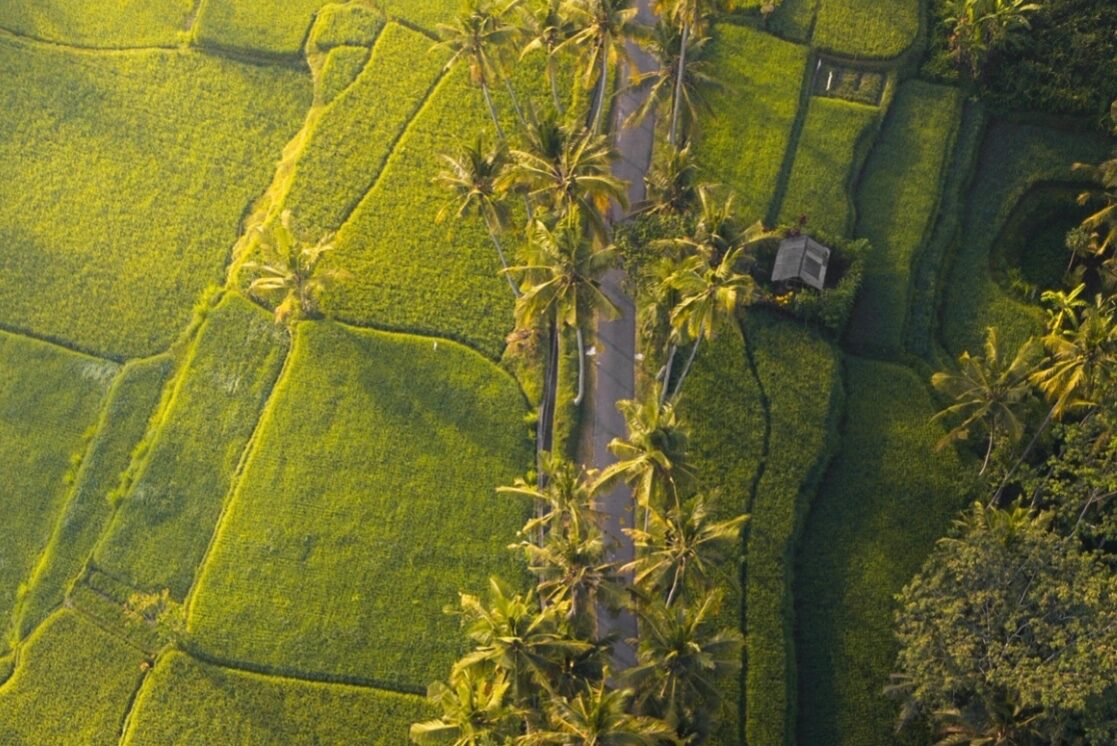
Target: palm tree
[
  {"x": 685, "y": 15},
  {"x": 567, "y": 171},
  {"x": 652, "y": 458},
  {"x": 546, "y": 28},
  {"x": 1102, "y": 224},
  {"x": 474, "y": 711},
  {"x": 472, "y": 179},
  {"x": 598, "y": 717},
  {"x": 290, "y": 270},
  {"x": 601, "y": 29},
  {"x": 565, "y": 500},
  {"x": 682, "y": 661},
  {"x": 979, "y": 26},
  {"x": 680, "y": 80},
  {"x": 1082, "y": 350},
  {"x": 478, "y": 38},
  {"x": 672, "y": 183},
  {"x": 991, "y": 392},
  {"x": 681, "y": 541}
]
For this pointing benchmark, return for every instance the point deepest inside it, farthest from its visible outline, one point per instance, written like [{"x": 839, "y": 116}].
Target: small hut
[{"x": 802, "y": 259}]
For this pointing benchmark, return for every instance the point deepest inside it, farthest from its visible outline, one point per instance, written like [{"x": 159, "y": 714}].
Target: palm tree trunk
[
  {"x": 515, "y": 101},
  {"x": 544, "y": 431},
  {"x": 492, "y": 111},
  {"x": 581, "y": 367},
  {"x": 988, "y": 453},
  {"x": 672, "y": 135},
  {"x": 667, "y": 374},
  {"x": 674, "y": 587},
  {"x": 503, "y": 261},
  {"x": 554, "y": 84},
  {"x": 689, "y": 362},
  {"x": 599, "y": 93}
]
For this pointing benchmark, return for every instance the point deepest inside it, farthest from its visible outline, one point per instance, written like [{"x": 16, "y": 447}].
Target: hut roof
[{"x": 801, "y": 258}]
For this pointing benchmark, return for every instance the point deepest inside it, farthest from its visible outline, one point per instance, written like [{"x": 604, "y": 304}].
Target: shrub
[
  {"x": 160, "y": 533},
  {"x": 122, "y": 425},
  {"x": 887, "y": 497},
  {"x": 142, "y": 165},
  {"x": 365, "y": 506},
  {"x": 73, "y": 684},
  {"x": 187, "y": 701},
  {"x": 49, "y": 399},
  {"x": 897, "y": 201}
]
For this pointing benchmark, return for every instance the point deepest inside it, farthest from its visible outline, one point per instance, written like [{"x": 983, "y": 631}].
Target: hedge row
[
  {"x": 124, "y": 420},
  {"x": 72, "y": 685},
  {"x": 1014, "y": 158},
  {"x": 897, "y": 201},
  {"x": 49, "y": 399},
  {"x": 160, "y": 532},
  {"x": 800, "y": 375},
  {"x": 187, "y": 701},
  {"x": 366, "y": 505},
  {"x": 125, "y": 177},
  {"x": 887, "y": 497}
]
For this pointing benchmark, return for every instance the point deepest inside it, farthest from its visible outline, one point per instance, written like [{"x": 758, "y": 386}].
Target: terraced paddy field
[{"x": 218, "y": 529}]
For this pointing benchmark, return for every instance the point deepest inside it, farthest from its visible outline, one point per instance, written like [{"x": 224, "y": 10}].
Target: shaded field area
[
  {"x": 367, "y": 504},
  {"x": 187, "y": 701},
  {"x": 883, "y": 503},
  {"x": 103, "y": 24},
  {"x": 143, "y": 164}
]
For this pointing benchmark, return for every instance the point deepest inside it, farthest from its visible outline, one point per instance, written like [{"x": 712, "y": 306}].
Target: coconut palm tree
[
  {"x": 567, "y": 171},
  {"x": 598, "y": 717},
  {"x": 474, "y": 712},
  {"x": 290, "y": 270},
  {"x": 1102, "y": 224},
  {"x": 683, "y": 661},
  {"x": 545, "y": 28},
  {"x": 991, "y": 392},
  {"x": 672, "y": 183},
  {"x": 683, "y": 87},
  {"x": 685, "y": 15},
  {"x": 472, "y": 180},
  {"x": 478, "y": 37},
  {"x": 979, "y": 26},
  {"x": 566, "y": 499},
  {"x": 601, "y": 28},
  {"x": 679, "y": 546},
  {"x": 1082, "y": 355}
]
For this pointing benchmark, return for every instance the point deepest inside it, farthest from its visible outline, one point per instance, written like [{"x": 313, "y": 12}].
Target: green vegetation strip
[
  {"x": 1014, "y": 158},
  {"x": 884, "y": 502},
  {"x": 867, "y": 28},
  {"x": 160, "y": 533},
  {"x": 49, "y": 399},
  {"x": 897, "y": 201},
  {"x": 186, "y": 701},
  {"x": 123, "y": 179},
  {"x": 123, "y": 423},
  {"x": 723, "y": 409},
  {"x": 800, "y": 374},
  {"x": 832, "y": 146},
  {"x": 72, "y": 685},
  {"x": 744, "y": 147},
  {"x": 367, "y": 504},
  {"x": 103, "y": 24}
]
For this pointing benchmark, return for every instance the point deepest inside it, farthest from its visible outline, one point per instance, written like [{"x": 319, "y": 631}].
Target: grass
[
  {"x": 49, "y": 399},
  {"x": 341, "y": 67},
  {"x": 72, "y": 685},
  {"x": 124, "y": 419},
  {"x": 160, "y": 533},
  {"x": 187, "y": 701},
  {"x": 104, "y": 24},
  {"x": 800, "y": 374},
  {"x": 351, "y": 141},
  {"x": 723, "y": 409},
  {"x": 867, "y": 28},
  {"x": 744, "y": 147},
  {"x": 367, "y": 504},
  {"x": 1014, "y": 158},
  {"x": 142, "y": 165},
  {"x": 897, "y": 201},
  {"x": 831, "y": 149},
  {"x": 884, "y": 502}
]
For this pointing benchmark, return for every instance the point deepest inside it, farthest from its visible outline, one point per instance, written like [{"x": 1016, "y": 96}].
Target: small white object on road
[
  {"x": 638, "y": 357},
  {"x": 591, "y": 351}
]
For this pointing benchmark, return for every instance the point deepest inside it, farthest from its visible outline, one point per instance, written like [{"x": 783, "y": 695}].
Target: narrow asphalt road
[{"x": 613, "y": 371}]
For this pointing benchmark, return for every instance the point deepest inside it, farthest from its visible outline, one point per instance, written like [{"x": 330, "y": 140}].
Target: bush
[
  {"x": 187, "y": 701},
  {"x": 103, "y": 24},
  {"x": 122, "y": 425},
  {"x": 159, "y": 535},
  {"x": 142, "y": 165},
  {"x": 897, "y": 202},
  {"x": 49, "y": 398},
  {"x": 743, "y": 145},
  {"x": 73, "y": 684},
  {"x": 365, "y": 506},
  {"x": 887, "y": 497}
]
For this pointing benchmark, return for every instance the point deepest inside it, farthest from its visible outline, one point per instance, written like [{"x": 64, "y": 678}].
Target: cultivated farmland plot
[{"x": 220, "y": 527}]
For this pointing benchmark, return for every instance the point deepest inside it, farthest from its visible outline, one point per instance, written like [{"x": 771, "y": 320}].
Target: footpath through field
[{"x": 613, "y": 369}]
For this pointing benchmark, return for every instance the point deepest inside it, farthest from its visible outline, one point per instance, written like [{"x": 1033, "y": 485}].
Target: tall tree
[
  {"x": 546, "y": 27},
  {"x": 601, "y": 29},
  {"x": 980, "y": 26},
  {"x": 672, "y": 183},
  {"x": 599, "y": 717},
  {"x": 1101, "y": 224},
  {"x": 474, "y": 712},
  {"x": 684, "y": 15}
]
